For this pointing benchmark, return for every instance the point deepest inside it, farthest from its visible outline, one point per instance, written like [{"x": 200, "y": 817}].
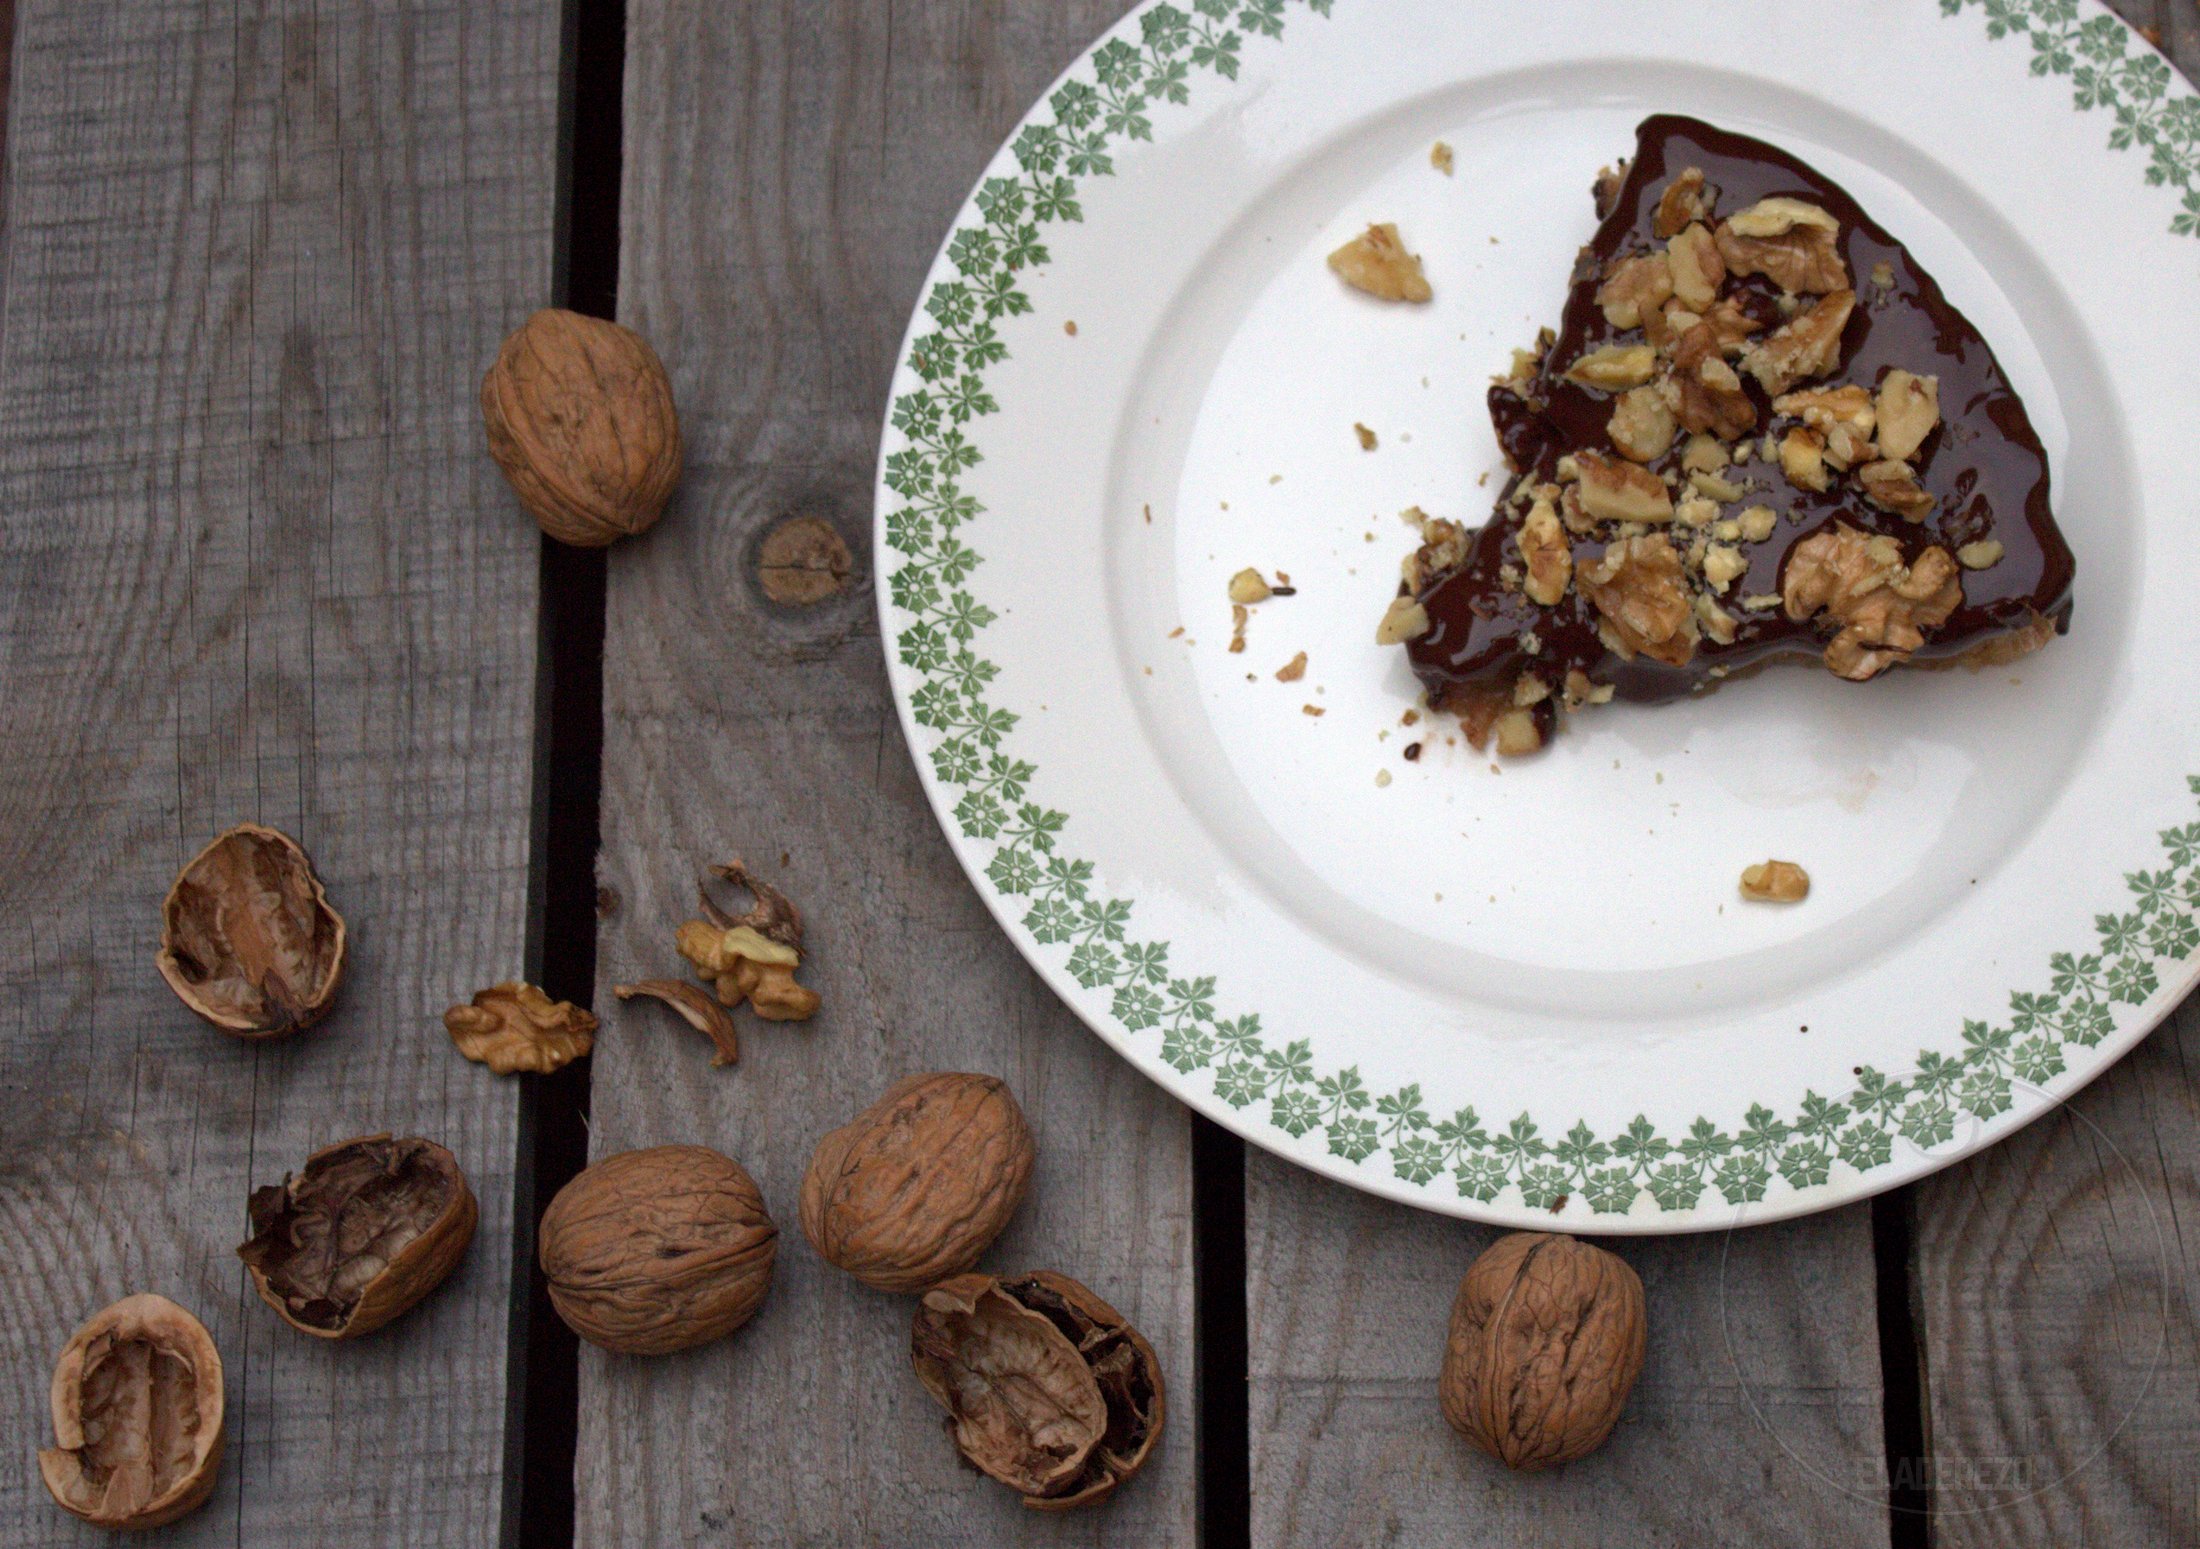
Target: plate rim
[{"x": 1182, "y": 40}]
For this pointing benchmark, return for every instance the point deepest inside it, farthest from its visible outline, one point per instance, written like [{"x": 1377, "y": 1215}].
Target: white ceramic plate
[{"x": 1533, "y": 995}]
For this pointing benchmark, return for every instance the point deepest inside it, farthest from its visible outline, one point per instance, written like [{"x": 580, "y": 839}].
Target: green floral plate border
[{"x": 934, "y": 620}]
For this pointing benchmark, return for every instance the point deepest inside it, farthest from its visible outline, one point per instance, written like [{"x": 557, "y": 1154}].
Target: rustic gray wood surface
[
  {"x": 256, "y": 567},
  {"x": 790, "y": 168}
]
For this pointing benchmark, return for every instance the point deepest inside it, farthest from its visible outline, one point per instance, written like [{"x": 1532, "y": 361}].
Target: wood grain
[
  {"x": 1757, "y": 1419},
  {"x": 790, "y": 168},
  {"x": 254, "y": 564}
]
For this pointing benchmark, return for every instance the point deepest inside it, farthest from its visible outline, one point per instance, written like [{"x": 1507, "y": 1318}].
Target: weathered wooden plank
[
  {"x": 1757, "y": 1419},
  {"x": 789, "y": 169},
  {"x": 254, "y": 564},
  {"x": 2053, "y": 1280}
]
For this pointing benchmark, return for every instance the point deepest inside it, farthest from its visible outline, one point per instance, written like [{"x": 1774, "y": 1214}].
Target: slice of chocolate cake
[{"x": 1761, "y": 431}]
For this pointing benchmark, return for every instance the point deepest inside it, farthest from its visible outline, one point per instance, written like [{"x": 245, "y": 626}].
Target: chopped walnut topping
[
  {"x": 1581, "y": 691},
  {"x": 1249, "y": 586},
  {"x": 1723, "y": 566},
  {"x": 1843, "y": 417},
  {"x": 1909, "y": 408},
  {"x": 1757, "y": 602},
  {"x": 1704, "y": 454},
  {"x": 1695, "y": 510},
  {"x": 1637, "y": 586},
  {"x": 1775, "y": 882},
  {"x": 1803, "y": 459},
  {"x": 1715, "y": 620},
  {"x": 1517, "y": 734},
  {"x": 1698, "y": 270},
  {"x": 1377, "y": 262},
  {"x": 1982, "y": 555},
  {"x": 1703, "y": 390},
  {"x": 1635, "y": 288},
  {"x": 1405, "y": 619},
  {"x": 1439, "y": 157},
  {"x": 1716, "y": 486},
  {"x": 1615, "y": 367},
  {"x": 1612, "y": 491},
  {"x": 1292, "y": 670},
  {"x": 1686, "y": 199},
  {"x": 1757, "y": 523},
  {"x": 1883, "y": 275},
  {"x": 1882, "y": 606},
  {"x": 1892, "y": 486},
  {"x": 1642, "y": 425},
  {"x": 1443, "y": 546},
  {"x": 1777, "y": 217},
  {"x": 1528, "y": 689},
  {"x": 1733, "y": 326},
  {"x": 1807, "y": 345},
  {"x": 1548, "y": 556},
  {"x": 1804, "y": 260},
  {"x": 1238, "y": 617}
]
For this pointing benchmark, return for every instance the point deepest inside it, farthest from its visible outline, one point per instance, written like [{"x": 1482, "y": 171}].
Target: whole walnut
[
  {"x": 916, "y": 1187},
  {"x": 137, "y": 1416},
  {"x": 653, "y": 1251},
  {"x": 580, "y": 418},
  {"x": 1546, "y": 1343}
]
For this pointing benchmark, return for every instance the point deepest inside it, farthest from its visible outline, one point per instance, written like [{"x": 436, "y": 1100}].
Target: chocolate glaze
[{"x": 1984, "y": 464}]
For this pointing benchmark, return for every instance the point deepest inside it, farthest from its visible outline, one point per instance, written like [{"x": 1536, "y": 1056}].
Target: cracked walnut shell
[
  {"x": 750, "y": 956},
  {"x": 247, "y": 938},
  {"x": 512, "y": 1027},
  {"x": 1048, "y": 1389},
  {"x": 364, "y": 1231},
  {"x": 137, "y": 1416},
  {"x": 1546, "y": 1342},
  {"x": 580, "y": 418},
  {"x": 658, "y": 1250},
  {"x": 916, "y": 1187}
]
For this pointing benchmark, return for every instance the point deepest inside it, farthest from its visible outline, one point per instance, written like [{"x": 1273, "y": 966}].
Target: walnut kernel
[
  {"x": 1775, "y": 882},
  {"x": 1377, "y": 263}
]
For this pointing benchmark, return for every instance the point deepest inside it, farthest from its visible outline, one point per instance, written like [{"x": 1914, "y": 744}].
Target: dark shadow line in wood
[
  {"x": 1219, "y": 1277},
  {"x": 544, "y": 1379},
  {"x": 1901, "y": 1376}
]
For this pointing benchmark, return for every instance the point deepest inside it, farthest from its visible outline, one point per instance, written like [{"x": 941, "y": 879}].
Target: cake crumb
[
  {"x": 1312, "y": 710},
  {"x": 1292, "y": 670},
  {"x": 1367, "y": 437},
  {"x": 1177, "y": 633},
  {"x": 1070, "y": 327},
  {"x": 1149, "y": 516},
  {"x": 1382, "y": 778},
  {"x": 1410, "y": 718},
  {"x": 1439, "y": 157}
]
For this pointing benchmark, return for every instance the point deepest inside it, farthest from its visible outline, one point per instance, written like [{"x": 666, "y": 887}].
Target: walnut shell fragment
[
  {"x": 511, "y": 1027},
  {"x": 137, "y": 1416},
  {"x": 247, "y": 938},
  {"x": 916, "y": 1187},
  {"x": 653, "y": 1251},
  {"x": 580, "y": 418},
  {"x": 1546, "y": 1342},
  {"x": 1048, "y": 1389},
  {"x": 359, "y": 1235},
  {"x": 750, "y": 956},
  {"x": 696, "y": 1009}
]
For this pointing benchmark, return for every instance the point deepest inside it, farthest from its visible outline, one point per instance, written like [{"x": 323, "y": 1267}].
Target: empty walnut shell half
[
  {"x": 916, "y": 1187},
  {"x": 1546, "y": 1342},
  {"x": 1047, "y": 1388},
  {"x": 580, "y": 418},
  {"x": 365, "y": 1230},
  {"x": 137, "y": 1416},
  {"x": 513, "y": 1027},
  {"x": 653, "y": 1251},
  {"x": 247, "y": 938}
]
